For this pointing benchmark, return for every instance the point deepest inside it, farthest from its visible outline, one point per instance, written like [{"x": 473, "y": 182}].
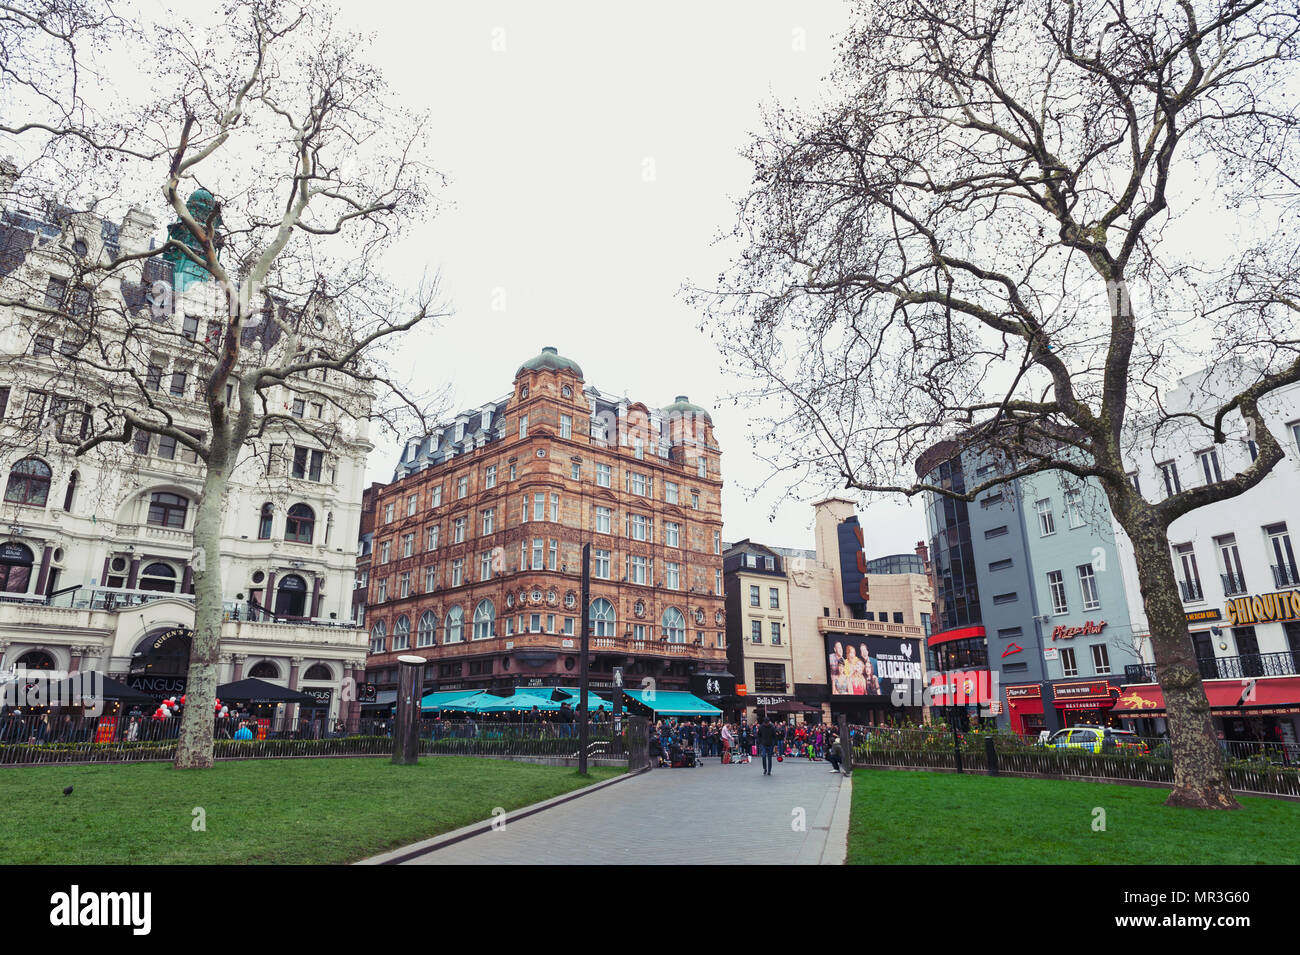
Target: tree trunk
[
  {"x": 1199, "y": 779},
  {"x": 194, "y": 748}
]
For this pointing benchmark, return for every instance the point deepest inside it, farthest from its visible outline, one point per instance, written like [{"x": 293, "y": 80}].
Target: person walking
[
  {"x": 766, "y": 740},
  {"x": 727, "y": 739}
]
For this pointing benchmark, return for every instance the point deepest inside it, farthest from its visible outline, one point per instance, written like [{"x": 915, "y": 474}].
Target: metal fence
[
  {"x": 1263, "y": 768},
  {"x": 76, "y": 739}
]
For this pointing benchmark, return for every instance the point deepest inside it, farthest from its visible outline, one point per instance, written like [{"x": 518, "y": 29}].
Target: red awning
[{"x": 1222, "y": 694}]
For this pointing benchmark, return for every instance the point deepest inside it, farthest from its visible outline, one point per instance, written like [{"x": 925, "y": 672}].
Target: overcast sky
[{"x": 592, "y": 151}]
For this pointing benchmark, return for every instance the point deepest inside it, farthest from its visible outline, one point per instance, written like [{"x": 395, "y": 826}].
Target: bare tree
[
  {"x": 288, "y": 171},
  {"x": 1016, "y": 223}
]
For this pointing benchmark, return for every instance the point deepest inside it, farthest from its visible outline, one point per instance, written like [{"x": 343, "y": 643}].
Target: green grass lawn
[
  {"x": 943, "y": 818},
  {"x": 258, "y": 811}
]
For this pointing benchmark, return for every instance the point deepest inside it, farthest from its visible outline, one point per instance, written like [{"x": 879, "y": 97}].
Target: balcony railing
[
  {"x": 1286, "y": 663},
  {"x": 1191, "y": 590},
  {"x": 569, "y": 643},
  {"x": 1233, "y": 585},
  {"x": 845, "y": 625},
  {"x": 1140, "y": 673},
  {"x": 1284, "y": 575},
  {"x": 1252, "y": 664}
]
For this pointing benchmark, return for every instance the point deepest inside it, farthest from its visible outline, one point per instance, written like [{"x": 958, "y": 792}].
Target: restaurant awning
[
  {"x": 672, "y": 703},
  {"x": 91, "y": 686},
  {"x": 253, "y": 690},
  {"x": 792, "y": 706},
  {"x": 1236, "y": 695}
]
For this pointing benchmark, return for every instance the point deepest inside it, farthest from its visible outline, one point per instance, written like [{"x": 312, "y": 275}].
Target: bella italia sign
[{"x": 1264, "y": 608}]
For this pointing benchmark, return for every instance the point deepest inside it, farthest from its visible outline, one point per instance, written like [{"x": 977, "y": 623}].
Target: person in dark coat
[{"x": 766, "y": 741}]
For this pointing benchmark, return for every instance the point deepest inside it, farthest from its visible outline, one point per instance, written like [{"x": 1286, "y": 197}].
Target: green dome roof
[
  {"x": 200, "y": 203},
  {"x": 683, "y": 406},
  {"x": 549, "y": 360}
]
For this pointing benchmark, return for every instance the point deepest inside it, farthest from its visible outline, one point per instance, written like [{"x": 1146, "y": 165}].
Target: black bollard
[{"x": 406, "y": 729}]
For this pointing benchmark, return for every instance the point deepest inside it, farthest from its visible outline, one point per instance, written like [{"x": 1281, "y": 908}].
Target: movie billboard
[{"x": 868, "y": 667}]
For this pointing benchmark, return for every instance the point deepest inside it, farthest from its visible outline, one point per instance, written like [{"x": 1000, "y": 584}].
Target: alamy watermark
[{"x": 53, "y": 688}]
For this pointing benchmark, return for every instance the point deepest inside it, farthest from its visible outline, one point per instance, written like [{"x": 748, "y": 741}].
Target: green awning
[{"x": 673, "y": 703}]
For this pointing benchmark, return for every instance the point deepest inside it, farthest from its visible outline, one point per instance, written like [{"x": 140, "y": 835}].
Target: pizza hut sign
[{"x": 1087, "y": 630}]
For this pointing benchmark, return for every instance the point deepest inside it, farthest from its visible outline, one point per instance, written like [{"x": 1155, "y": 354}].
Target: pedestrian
[
  {"x": 766, "y": 740},
  {"x": 834, "y": 754},
  {"x": 727, "y": 739}
]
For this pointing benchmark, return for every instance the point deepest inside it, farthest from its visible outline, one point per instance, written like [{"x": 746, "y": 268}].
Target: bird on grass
[{"x": 67, "y": 791}]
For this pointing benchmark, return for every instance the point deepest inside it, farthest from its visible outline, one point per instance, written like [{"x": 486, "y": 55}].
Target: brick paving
[{"x": 711, "y": 814}]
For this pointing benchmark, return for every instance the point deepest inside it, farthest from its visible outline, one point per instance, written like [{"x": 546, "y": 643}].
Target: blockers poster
[{"x": 862, "y": 666}]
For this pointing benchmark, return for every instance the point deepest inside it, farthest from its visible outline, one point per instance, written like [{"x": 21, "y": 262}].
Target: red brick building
[{"x": 477, "y": 558}]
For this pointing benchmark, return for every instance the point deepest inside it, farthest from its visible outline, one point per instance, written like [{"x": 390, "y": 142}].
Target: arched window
[
  {"x": 29, "y": 483},
  {"x": 265, "y": 670},
  {"x": 455, "y": 622},
  {"x": 15, "y": 568},
  {"x": 378, "y": 637},
  {"x": 603, "y": 618},
  {"x": 485, "y": 616},
  {"x": 264, "y": 521},
  {"x": 426, "y": 631},
  {"x": 36, "y": 660},
  {"x": 158, "y": 577},
  {"x": 402, "y": 633},
  {"x": 167, "y": 509},
  {"x": 674, "y": 625},
  {"x": 318, "y": 671},
  {"x": 300, "y": 524},
  {"x": 71, "y": 494},
  {"x": 291, "y": 596}
]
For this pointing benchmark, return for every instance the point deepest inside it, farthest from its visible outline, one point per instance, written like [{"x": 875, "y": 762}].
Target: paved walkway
[{"x": 710, "y": 814}]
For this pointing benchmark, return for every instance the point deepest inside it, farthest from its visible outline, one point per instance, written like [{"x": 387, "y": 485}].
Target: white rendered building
[
  {"x": 1235, "y": 563},
  {"x": 95, "y": 550}
]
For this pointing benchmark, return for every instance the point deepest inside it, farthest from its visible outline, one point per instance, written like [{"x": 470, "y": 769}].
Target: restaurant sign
[
  {"x": 321, "y": 694},
  {"x": 1264, "y": 608},
  {"x": 1087, "y": 630},
  {"x": 1197, "y": 616},
  {"x": 1074, "y": 691},
  {"x": 1031, "y": 692}
]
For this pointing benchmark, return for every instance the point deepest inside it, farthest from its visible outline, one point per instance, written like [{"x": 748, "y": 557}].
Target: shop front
[
  {"x": 1264, "y": 710},
  {"x": 970, "y": 697},
  {"x": 1086, "y": 704},
  {"x": 1025, "y": 709}
]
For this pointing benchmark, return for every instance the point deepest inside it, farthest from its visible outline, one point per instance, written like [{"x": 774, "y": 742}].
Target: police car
[{"x": 1096, "y": 739}]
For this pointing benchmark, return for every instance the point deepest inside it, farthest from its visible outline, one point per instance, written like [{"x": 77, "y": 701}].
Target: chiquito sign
[{"x": 1263, "y": 608}]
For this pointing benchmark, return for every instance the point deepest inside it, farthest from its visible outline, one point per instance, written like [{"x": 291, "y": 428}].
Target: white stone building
[
  {"x": 95, "y": 550},
  {"x": 1235, "y": 563}
]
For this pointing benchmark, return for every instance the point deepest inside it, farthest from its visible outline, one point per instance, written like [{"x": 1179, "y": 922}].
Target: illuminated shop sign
[
  {"x": 1087, "y": 630},
  {"x": 1263, "y": 608}
]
